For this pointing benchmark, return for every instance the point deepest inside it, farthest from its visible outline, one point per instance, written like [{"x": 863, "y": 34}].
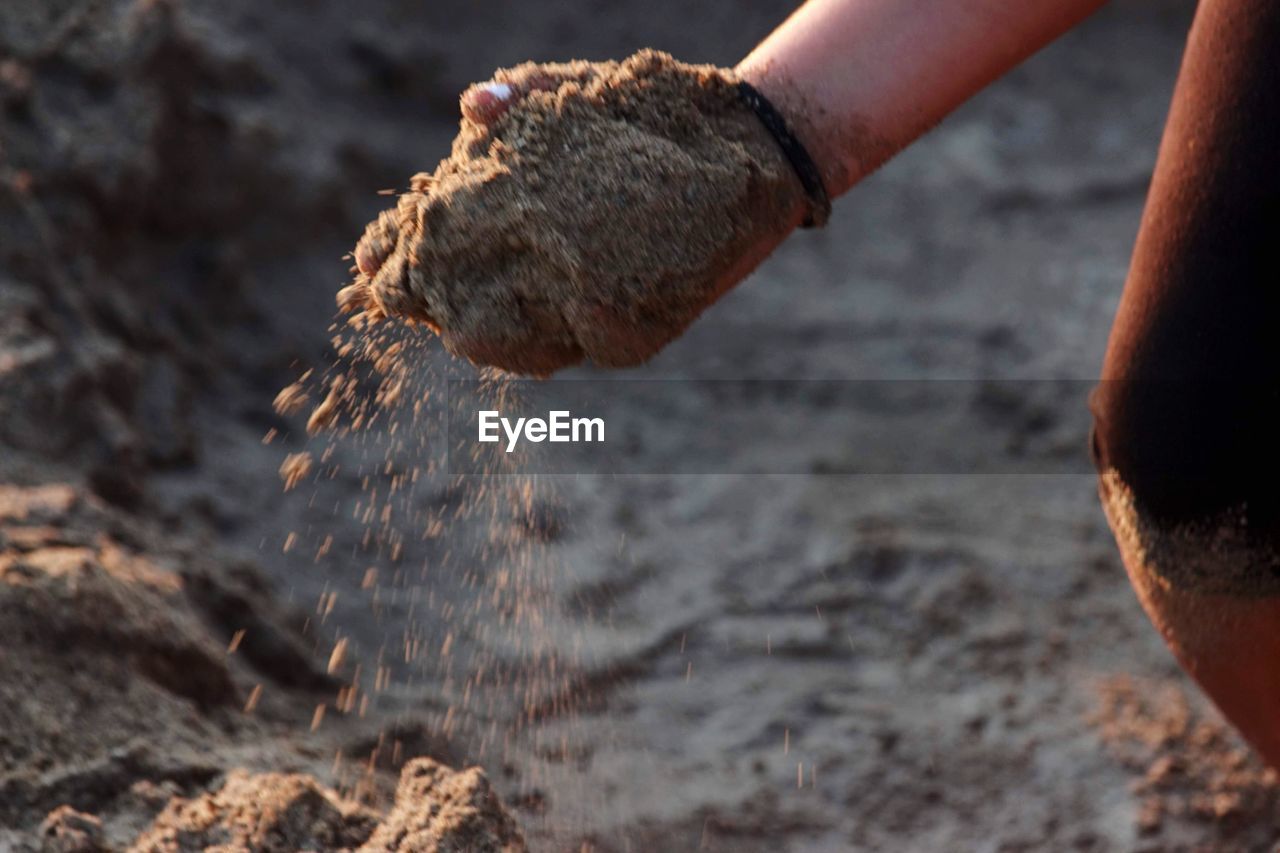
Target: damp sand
[
  {"x": 596, "y": 218},
  {"x": 1220, "y": 554}
]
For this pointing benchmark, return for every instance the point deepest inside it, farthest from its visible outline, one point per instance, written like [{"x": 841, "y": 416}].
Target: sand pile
[
  {"x": 266, "y": 812},
  {"x": 596, "y": 218},
  {"x": 437, "y": 809},
  {"x": 104, "y": 653},
  {"x": 115, "y": 677},
  {"x": 125, "y": 672}
]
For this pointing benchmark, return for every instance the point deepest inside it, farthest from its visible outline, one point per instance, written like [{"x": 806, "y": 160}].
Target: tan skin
[{"x": 858, "y": 81}]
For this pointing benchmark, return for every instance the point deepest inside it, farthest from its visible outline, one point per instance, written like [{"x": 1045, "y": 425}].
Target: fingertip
[
  {"x": 485, "y": 103},
  {"x": 501, "y": 91}
]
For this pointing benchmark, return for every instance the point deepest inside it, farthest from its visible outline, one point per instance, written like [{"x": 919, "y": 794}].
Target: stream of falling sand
[{"x": 487, "y": 664}]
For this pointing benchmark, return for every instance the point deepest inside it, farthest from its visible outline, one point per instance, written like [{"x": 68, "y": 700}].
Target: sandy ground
[{"x": 803, "y": 662}]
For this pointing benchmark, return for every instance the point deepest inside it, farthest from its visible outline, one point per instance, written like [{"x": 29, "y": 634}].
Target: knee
[{"x": 1188, "y": 474}]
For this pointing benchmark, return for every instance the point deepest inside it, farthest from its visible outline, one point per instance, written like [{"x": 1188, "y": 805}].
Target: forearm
[{"x": 861, "y": 79}]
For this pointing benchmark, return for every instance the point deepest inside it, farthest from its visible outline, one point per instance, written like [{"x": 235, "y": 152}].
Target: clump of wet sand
[{"x": 596, "y": 217}]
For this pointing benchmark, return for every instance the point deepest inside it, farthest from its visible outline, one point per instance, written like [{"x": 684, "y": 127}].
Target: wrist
[
  {"x": 803, "y": 120},
  {"x": 803, "y": 166}
]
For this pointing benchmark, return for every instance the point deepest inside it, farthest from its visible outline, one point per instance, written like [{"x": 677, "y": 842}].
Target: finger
[{"x": 485, "y": 103}]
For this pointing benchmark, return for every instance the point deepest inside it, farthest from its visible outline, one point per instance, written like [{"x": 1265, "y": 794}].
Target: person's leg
[{"x": 1187, "y": 450}]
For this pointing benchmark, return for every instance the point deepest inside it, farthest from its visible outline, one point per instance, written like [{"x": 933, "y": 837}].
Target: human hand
[{"x": 587, "y": 210}]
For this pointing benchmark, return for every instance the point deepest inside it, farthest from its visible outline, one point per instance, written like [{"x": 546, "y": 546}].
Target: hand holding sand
[
  {"x": 587, "y": 210},
  {"x": 593, "y": 210}
]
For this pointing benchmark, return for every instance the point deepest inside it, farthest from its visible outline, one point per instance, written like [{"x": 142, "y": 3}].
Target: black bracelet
[{"x": 806, "y": 170}]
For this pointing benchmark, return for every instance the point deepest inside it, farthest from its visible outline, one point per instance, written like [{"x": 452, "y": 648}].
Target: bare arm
[{"x": 859, "y": 80}]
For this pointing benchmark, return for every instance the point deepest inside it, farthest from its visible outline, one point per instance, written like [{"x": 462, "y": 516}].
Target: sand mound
[
  {"x": 436, "y": 809},
  {"x": 115, "y": 669},
  {"x": 117, "y": 687},
  {"x": 439, "y": 809},
  {"x": 267, "y": 812},
  {"x": 598, "y": 216},
  {"x": 106, "y": 662}
]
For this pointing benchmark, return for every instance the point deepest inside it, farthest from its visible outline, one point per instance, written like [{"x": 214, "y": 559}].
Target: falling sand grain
[
  {"x": 338, "y": 656},
  {"x": 294, "y": 468},
  {"x": 291, "y": 399}
]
